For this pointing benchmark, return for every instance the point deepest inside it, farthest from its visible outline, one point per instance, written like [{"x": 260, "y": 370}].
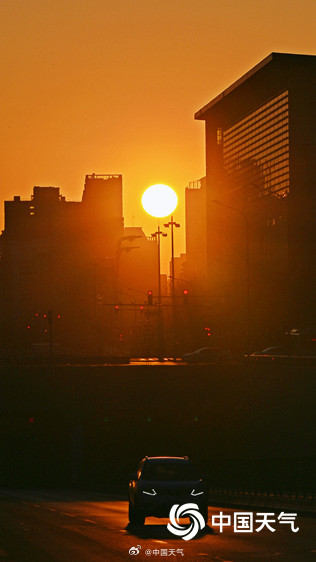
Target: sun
[{"x": 159, "y": 200}]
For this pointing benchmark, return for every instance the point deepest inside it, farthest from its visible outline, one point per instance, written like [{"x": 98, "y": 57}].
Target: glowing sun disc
[{"x": 159, "y": 200}]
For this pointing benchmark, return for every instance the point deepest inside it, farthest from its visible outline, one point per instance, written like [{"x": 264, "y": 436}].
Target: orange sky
[{"x": 111, "y": 86}]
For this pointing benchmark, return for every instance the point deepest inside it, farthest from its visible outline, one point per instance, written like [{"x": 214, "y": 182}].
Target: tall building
[
  {"x": 195, "y": 236},
  {"x": 74, "y": 263},
  {"x": 60, "y": 256},
  {"x": 137, "y": 253},
  {"x": 260, "y": 199},
  {"x": 137, "y": 273}
]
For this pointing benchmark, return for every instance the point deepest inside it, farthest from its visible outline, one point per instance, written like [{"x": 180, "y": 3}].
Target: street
[{"x": 40, "y": 526}]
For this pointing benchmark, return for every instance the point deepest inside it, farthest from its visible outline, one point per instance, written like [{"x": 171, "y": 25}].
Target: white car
[
  {"x": 269, "y": 353},
  {"x": 207, "y": 355}
]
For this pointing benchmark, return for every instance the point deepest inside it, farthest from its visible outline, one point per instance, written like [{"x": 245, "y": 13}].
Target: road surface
[{"x": 38, "y": 526}]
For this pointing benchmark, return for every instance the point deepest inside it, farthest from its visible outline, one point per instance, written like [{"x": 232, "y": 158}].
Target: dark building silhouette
[
  {"x": 138, "y": 254},
  {"x": 63, "y": 257},
  {"x": 195, "y": 309},
  {"x": 137, "y": 273},
  {"x": 195, "y": 270},
  {"x": 261, "y": 173}
]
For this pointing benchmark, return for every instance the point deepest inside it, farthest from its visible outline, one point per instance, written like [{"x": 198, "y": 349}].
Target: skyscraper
[
  {"x": 261, "y": 193},
  {"x": 60, "y": 256}
]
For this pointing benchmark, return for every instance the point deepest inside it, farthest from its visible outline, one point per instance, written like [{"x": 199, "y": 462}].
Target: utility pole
[
  {"x": 157, "y": 235},
  {"x": 172, "y": 224}
]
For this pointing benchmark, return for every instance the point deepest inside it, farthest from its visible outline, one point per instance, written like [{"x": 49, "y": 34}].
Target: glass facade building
[
  {"x": 261, "y": 170},
  {"x": 256, "y": 150}
]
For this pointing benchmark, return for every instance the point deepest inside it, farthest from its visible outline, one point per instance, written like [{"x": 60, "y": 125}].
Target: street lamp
[
  {"x": 160, "y": 201},
  {"x": 157, "y": 235},
  {"x": 172, "y": 224},
  {"x": 236, "y": 210}
]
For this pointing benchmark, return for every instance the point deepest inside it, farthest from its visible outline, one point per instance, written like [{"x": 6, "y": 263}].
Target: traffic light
[
  {"x": 116, "y": 308},
  {"x": 185, "y": 296},
  {"x": 150, "y": 298}
]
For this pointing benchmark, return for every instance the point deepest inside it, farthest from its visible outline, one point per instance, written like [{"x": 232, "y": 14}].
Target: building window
[
  {"x": 219, "y": 136},
  {"x": 256, "y": 150}
]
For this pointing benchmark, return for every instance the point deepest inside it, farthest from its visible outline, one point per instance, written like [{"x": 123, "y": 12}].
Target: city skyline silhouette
[{"x": 112, "y": 87}]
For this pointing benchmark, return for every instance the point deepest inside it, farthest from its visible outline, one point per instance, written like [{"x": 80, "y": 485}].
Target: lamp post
[
  {"x": 159, "y": 201},
  {"x": 172, "y": 224},
  {"x": 247, "y": 265},
  {"x": 157, "y": 235}
]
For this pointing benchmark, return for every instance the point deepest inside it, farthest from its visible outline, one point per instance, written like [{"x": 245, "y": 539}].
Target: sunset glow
[
  {"x": 159, "y": 200},
  {"x": 124, "y": 101}
]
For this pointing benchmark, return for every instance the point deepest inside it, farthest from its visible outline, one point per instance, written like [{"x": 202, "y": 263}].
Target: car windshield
[
  {"x": 169, "y": 472},
  {"x": 274, "y": 350}
]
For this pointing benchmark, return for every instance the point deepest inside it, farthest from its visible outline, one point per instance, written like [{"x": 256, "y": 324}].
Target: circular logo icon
[
  {"x": 134, "y": 550},
  {"x": 186, "y": 510}
]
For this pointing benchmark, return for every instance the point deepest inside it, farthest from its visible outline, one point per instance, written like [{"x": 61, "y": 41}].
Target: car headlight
[
  {"x": 195, "y": 493},
  {"x": 150, "y": 493}
]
